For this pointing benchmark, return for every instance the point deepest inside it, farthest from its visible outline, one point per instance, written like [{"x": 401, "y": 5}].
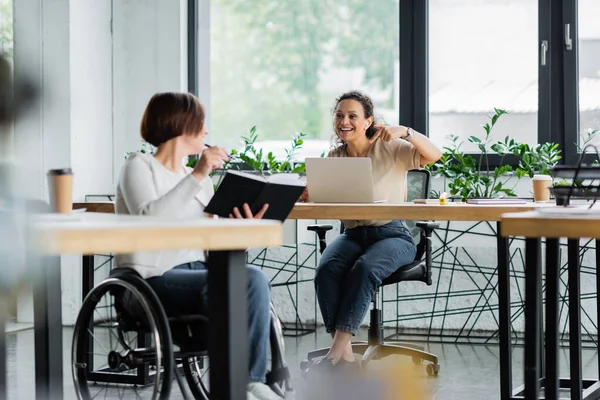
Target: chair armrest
[
  {"x": 321, "y": 231},
  {"x": 427, "y": 227},
  {"x": 424, "y": 246}
]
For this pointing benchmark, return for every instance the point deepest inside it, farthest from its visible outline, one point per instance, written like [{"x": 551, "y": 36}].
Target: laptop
[{"x": 340, "y": 180}]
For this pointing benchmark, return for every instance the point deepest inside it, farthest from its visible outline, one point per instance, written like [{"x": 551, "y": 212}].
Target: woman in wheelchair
[
  {"x": 355, "y": 263},
  {"x": 159, "y": 185}
]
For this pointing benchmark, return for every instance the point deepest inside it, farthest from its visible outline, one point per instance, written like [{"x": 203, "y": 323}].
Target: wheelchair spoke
[
  {"x": 108, "y": 327},
  {"x": 106, "y": 391},
  {"x": 97, "y": 341},
  {"x": 133, "y": 340}
]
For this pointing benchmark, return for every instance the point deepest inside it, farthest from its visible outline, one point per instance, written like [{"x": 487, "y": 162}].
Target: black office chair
[{"x": 418, "y": 270}]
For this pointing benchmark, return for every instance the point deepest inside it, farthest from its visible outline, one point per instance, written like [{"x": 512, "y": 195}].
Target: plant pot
[{"x": 562, "y": 200}]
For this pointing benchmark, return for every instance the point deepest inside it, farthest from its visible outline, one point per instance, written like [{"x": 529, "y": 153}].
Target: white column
[
  {"x": 204, "y": 57},
  {"x": 91, "y": 97},
  {"x": 149, "y": 56}
]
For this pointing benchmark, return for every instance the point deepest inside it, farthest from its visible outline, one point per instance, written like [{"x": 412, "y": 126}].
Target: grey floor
[{"x": 467, "y": 372}]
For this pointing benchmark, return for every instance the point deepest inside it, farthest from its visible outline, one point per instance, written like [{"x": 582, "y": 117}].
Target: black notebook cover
[{"x": 238, "y": 188}]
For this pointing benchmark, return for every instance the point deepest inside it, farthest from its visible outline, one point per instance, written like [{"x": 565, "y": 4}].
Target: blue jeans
[
  {"x": 184, "y": 290},
  {"x": 353, "y": 266}
]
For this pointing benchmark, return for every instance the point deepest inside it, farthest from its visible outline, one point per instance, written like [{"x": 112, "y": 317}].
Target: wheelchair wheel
[
  {"x": 197, "y": 371},
  {"x": 116, "y": 355},
  {"x": 196, "y": 374}
]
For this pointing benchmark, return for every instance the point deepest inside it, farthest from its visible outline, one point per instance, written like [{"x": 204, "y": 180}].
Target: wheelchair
[{"x": 124, "y": 345}]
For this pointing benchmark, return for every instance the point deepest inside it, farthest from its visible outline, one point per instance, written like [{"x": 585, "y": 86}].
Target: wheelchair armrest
[{"x": 321, "y": 231}]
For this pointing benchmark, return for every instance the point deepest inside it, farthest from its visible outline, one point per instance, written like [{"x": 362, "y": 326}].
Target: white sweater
[{"x": 146, "y": 187}]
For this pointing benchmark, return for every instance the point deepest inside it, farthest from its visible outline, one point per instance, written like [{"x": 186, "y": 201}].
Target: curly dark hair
[{"x": 367, "y": 105}]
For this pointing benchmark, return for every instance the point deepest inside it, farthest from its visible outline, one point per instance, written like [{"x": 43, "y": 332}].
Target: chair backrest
[
  {"x": 417, "y": 187},
  {"x": 417, "y": 182}
]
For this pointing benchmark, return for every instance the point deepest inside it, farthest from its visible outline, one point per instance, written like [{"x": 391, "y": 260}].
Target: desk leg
[
  {"x": 3, "y": 371},
  {"x": 575, "y": 319},
  {"x": 533, "y": 282},
  {"x": 598, "y": 294},
  {"x": 552, "y": 290},
  {"x": 48, "y": 330},
  {"x": 228, "y": 314},
  {"x": 87, "y": 279},
  {"x": 504, "y": 316}
]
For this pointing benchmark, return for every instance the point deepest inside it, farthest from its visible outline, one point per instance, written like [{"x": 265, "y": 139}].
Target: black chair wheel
[
  {"x": 433, "y": 369},
  {"x": 416, "y": 360}
]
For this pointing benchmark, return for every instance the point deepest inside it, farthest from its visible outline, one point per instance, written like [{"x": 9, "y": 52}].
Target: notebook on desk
[{"x": 340, "y": 180}]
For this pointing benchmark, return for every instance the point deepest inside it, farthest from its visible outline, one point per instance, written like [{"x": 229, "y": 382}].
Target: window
[
  {"x": 589, "y": 71},
  {"x": 6, "y": 28},
  {"x": 483, "y": 54},
  {"x": 280, "y": 65}
]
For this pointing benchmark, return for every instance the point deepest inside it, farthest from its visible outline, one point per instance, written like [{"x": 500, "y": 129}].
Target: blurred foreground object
[
  {"x": 14, "y": 99},
  {"x": 390, "y": 378}
]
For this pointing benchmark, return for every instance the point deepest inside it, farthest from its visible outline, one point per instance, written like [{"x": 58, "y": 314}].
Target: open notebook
[{"x": 280, "y": 191}]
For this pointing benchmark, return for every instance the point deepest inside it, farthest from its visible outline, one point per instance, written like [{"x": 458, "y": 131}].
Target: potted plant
[
  {"x": 251, "y": 158},
  {"x": 538, "y": 159},
  {"x": 562, "y": 199},
  {"x": 470, "y": 178}
]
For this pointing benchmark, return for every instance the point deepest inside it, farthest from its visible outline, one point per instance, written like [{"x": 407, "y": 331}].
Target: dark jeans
[
  {"x": 184, "y": 290},
  {"x": 352, "y": 267}
]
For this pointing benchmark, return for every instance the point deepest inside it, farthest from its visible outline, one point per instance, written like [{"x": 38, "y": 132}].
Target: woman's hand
[
  {"x": 389, "y": 133},
  {"x": 211, "y": 159},
  {"x": 247, "y": 213}
]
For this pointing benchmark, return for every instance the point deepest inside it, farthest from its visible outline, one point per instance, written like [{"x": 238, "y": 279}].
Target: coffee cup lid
[
  {"x": 542, "y": 177},
  {"x": 61, "y": 171}
]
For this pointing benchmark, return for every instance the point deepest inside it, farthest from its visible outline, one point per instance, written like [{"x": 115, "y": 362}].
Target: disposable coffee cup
[
  {"x": 541, "y": 187},
  {"x": 60, "y": 186}
]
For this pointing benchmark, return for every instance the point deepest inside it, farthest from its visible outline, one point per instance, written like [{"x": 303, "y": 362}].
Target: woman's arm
[
  {"x": 139, "y": 191},
  {"x": 429, "y": 152}
]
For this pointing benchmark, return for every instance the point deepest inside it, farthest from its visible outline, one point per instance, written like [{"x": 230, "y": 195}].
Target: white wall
[{"x": 98, "y": 63}]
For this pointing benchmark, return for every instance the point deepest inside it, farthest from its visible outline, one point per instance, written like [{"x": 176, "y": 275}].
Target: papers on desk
[
  {"x": 56, "y": 217},
  {"x": 570, "y": 210},
  {"x": 503, "y": 200}
]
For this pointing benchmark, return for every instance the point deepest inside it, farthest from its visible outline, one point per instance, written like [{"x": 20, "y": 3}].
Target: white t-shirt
[{"x": 146, "y": 187}]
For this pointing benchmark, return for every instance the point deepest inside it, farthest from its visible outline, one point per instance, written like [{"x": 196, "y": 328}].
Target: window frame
[{"x": 558, "y": 79}]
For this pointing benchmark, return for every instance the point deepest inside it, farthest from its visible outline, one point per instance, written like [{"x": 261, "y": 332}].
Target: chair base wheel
[
  {"x": 304, "y": 365},
  {"x": 433, "y": 369}
]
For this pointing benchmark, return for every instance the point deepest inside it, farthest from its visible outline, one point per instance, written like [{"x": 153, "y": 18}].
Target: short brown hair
[{"x": 169, "y": 115}]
